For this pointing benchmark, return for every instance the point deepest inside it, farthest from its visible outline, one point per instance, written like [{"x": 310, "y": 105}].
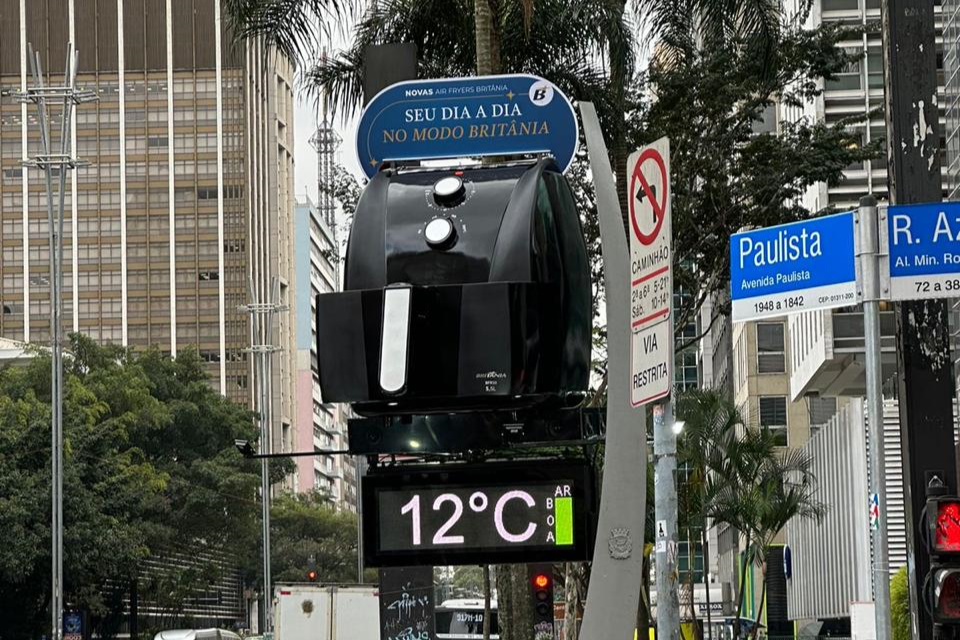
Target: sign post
[
  {"x": 651, "y": 351},
  {"x": 872, "y": 294}
]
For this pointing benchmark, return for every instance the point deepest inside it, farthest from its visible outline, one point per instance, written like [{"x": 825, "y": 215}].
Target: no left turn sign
[
  {"x": 648, "y": 195},
  {"x": 651, "y": 273}
]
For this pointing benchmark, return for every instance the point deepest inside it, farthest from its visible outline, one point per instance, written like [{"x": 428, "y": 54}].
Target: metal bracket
[{"x": 883, "y": 251}]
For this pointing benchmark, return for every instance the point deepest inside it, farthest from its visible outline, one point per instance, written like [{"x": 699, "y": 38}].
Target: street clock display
[{"x": 474, "y": 514}]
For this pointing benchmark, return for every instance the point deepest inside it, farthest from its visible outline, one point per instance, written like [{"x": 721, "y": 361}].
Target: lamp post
[{"x": 55, "y": 164}]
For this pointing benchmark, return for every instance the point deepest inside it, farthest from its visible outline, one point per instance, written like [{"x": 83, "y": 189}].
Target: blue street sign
[
  {"x": 794, "y": 267},
  {"x": 924, "y": 248},
  {"x": 466, "y": 117}
]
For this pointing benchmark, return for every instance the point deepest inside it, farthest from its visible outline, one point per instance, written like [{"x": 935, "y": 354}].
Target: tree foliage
[
  {"x": 728, "y": 170},
  {"x": 738, "y": 476},
  {"x": 305, "y": 527},
  {"x": 149, "y": 467},
  {"x": 900, "y": 605}
]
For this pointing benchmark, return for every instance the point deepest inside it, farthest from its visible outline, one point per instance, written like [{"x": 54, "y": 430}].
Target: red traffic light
[
  {"x": 946, "y": 533},
  {"x": 312, "y": 575},
  {"x": 946, "y": 595},
  {"x": 541, "y": 581}
]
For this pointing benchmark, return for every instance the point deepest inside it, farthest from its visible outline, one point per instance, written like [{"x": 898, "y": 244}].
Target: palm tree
[
  {"x": 743, "y": 479},
  {"x": 709, "y": 418}
]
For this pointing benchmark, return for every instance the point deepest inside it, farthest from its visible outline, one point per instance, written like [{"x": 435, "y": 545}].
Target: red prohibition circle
[{"x": 648, "y": 154}]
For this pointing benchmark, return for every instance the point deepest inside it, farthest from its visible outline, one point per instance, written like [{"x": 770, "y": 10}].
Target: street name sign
[
  {"x": 793, "y": 267},
  {"x": 651, "y": 273},
  {"x": 923, "y": 241},
  {"x": 467, "y": 117}
]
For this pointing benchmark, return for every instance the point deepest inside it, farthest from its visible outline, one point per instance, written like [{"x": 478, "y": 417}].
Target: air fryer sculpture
[{"x": 464, "y": 289}]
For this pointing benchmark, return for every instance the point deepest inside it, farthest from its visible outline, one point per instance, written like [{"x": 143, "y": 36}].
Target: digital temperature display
[
  {"x": 534, "y": 516},
  {"x": 458, "y": 513}
]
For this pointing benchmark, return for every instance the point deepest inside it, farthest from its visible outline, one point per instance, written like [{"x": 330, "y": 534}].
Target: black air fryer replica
[{"x": 464, "y": 289}]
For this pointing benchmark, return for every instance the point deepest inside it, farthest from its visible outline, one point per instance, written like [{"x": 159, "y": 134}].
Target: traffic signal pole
[{"x": 924, "y": 368}]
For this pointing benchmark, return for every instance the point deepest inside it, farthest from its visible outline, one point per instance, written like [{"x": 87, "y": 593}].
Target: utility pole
[
  {"x": 870, "y": 273},
  {"x": 923, "y": 338},
  {"x": 56, "y": 164},
  {"x": 262, "y": 348},
  {"x": 665, "y": 510}
]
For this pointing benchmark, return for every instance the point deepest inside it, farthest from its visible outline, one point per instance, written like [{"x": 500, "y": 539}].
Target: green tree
[
  {"x": 305, "y": 527},
  {"x": 900, "y": 605},
  {"x": 707, "y": 416},
  {"x": 743, "y": 478},
  {"x": 150, "y": 469},
  {"x": 108, "y": 486}
]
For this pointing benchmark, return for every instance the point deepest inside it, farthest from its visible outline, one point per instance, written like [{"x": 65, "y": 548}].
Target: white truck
[{"x": 326, "y": 612}]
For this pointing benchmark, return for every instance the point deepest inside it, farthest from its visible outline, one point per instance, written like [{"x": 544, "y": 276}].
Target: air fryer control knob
[
  {"x": 440, "y": 233},
  {"x": 449, "y": 191}
]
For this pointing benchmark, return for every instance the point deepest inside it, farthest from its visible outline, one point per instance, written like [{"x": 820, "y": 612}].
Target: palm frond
[{"x": 297, "y": 28}]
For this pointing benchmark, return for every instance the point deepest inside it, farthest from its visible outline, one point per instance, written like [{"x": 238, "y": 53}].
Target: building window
[
  {"x": 840, "y": 5},
  {"x": 848, "y": 78},
  {"x": 770, "y": 348},
  {"x": 687, "y": 561},
  {"x": 821, "y": 411},
  {"x": 773, "y": 417}
]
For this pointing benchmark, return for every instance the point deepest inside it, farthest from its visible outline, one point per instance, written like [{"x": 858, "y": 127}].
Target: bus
[{"x": 462, "y": 619}]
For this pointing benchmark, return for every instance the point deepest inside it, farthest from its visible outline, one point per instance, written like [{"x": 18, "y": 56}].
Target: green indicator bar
[{"x": 563, "y": 521}]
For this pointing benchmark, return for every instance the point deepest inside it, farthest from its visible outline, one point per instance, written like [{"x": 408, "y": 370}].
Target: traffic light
[
  {"x": 541, "y": 584},
  {"x": 942, "y": 584},
  {"x": 311, "y": 569}
]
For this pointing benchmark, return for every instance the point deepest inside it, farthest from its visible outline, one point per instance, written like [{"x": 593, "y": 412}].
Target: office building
[
  {"x": 828, "y": 346},
  {"x": 828, "y": 581},
  {"x": 320, "y": 425},
  {"x": 187, "y": 197}
]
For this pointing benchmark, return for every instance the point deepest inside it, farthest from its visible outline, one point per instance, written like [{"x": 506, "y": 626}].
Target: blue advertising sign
[
  {"x": 794, "y": 267},
  {"x": 466, "y": 117},
  {"x": 924, "y": 248},
  {"x": 72, "y": 625}
]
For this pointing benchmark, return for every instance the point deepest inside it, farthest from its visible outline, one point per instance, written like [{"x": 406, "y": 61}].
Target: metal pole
[
  {"x": 706, "y": 572},
  {"x": 55, "y": 238},
  {"x": 56, "y": 507},
  {"x": 266, "y": 447},
  {"x": 358, "y": 464},
  {"x": 665, "y": 509},
  {"x": 870, "y": 273},
  {"x": 261, "y": 348},
  {"x": 926, "y": 386}
]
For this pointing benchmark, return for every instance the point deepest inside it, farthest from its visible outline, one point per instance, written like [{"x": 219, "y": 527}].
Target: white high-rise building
[{"x": 320, "y": 425}]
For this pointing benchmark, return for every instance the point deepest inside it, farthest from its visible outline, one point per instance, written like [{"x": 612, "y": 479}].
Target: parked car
[{"x": 196, "y": 634}]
